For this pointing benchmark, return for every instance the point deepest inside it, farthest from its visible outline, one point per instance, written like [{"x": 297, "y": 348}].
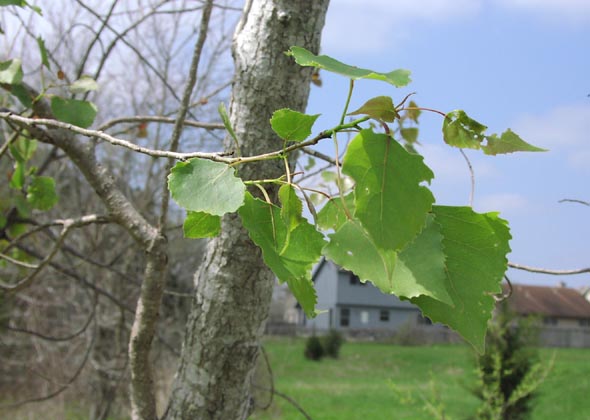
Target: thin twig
[
  {"x": 184, "y": 104},
  {"x": 319, "y": 155},
  {"x": 62, "y": 388},
  {"x": 573, "y": 200},
  {"x": 107, "y": 137},
  {"x": 58, "y": 339},
  {"x": 158, "y": 119},
  {"x": 67, "y": 224},
  {"x": 472, "y": 175},
  {"x": 548, "y": 271}
]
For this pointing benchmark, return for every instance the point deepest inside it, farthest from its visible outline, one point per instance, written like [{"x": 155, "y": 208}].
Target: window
[
  {"x": 584, "y": 322},
  {"x": 384, "y": 315},
  {"x": 423, "y": 320},
  {"x": 364, "y": 317},
  {"x": 549, "y": 320},
  {"x": 344, "y": 317}
]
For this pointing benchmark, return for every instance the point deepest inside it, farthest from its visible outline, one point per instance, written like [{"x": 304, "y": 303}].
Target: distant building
[
  {"x": 554, "y": 306},
  {"x": 362, "y": 309},
  {"x": 353, "y": 305}
]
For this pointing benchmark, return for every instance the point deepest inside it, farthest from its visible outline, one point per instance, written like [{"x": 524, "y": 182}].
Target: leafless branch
[
  {"x": 157, "y": 119},
  {"x": 59, "y": 339},
  {"x": 548, "y": 271},
  {"x": 319, "y": 155},
  {"x": 573, "y": 200},
  {"x": 472, "y": 175},
  {"x": 60, "y": 389},
  {"x": 67, "y": 224},
  {"x": 107, "y": 137}
]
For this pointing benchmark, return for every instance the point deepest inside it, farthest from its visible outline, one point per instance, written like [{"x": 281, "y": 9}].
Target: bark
[{"x": 233, "y": 287}]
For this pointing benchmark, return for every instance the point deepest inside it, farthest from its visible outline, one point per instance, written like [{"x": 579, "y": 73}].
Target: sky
[{"x": 519, "y": 64}]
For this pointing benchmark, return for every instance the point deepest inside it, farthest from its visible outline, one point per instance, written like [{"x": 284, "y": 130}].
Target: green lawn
[{"x": 373, "y": 381}]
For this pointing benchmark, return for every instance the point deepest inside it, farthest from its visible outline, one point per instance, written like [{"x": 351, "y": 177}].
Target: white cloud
[
  {"x": 564, "y": 129},
  {"x": 376, "y": 25},
  {"x": 503, "y": 202},
  {"x": 571, "y": 10}
]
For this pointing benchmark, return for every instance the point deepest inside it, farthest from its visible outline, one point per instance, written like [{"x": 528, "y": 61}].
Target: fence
[
  {"x": 564, "y": 337},
  {"x": 427, "y": 335}
]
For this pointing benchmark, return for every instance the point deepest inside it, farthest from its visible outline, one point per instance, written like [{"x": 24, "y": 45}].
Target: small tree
[
  {"x": 331, "y": 343},
  {"x": 510, "y": 370},
  {"x": 313, "y": 348}
]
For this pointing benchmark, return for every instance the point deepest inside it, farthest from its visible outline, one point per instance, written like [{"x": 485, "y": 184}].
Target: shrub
[
  {"x": 331, "y": 343},
  {"x": 510, "y": 371},
  {"x": 313, "y": 348}
]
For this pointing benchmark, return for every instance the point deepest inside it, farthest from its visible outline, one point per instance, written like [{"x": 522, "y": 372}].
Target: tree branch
[
  {"x": 67, "y": 225},
  {"x": 548, "y": 271},
  {"x": 158, "y": 119}
]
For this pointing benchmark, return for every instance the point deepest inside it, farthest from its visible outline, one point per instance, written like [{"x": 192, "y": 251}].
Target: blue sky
[{"x": 520, "y": 64}]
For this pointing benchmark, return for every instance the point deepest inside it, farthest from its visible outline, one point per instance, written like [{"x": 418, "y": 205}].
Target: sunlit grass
[{"x": 374, "y": 381}]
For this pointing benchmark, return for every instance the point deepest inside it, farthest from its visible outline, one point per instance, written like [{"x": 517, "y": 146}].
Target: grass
[{"x": 373, "y": 381}]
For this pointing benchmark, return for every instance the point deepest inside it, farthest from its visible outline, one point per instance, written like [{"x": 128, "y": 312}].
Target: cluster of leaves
[
  {"x": 449, "y": 261},
  {"x": 29, "y": 190},
  {"x": 328, "y": 345}
]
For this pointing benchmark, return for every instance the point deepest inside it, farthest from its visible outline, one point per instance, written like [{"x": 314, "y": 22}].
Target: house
[
  {"x": 362, "y": 309},
  {"x": 353, "y": 305},
  {"x": 554, "y": 306}
]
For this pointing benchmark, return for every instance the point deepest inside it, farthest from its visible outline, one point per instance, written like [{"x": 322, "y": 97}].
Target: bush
[
  {"x": 313, "y": 348},
  {"x": 510, "y": 371},
  {"x": 331, "y": 343}
]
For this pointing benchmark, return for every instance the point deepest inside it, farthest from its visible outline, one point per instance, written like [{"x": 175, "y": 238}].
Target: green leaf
[
  {"x": 353, "y": 248},
  {"x": 73, "y": 111},
  {"x": 306, "y": 58},
  {"x": 414, "y": 113},
  {"x": 509, "y": 142},
  {"x": 390, "y": 202},
  {"x": 332, "y": 215},
  {"x": 16, "y": 229},
  {"x": 17, "y": 180},
  {"x": 20, "y": 3},
  {"x": 409, "y": 134},
  {"x": 83, "y": 84},
  {"x": 206, "y": 186},
  {"x": 292, "y": 125},
  {"x": 417, "y": 270},
  {"x": 310, "y": 163},
  {"x": 459, "y": 130},
  {"x": 43, "y": 51},
  {"x": 421, "y": 266},
  {"x": 2, "y": 221},
  {"x": 22, "y": 94},
  {"x": 476, "y": 246},
  {"x": 329, "y": 176},
  {"x": 289, "y": 254},
  {"x": 11, "y": 72},
  {"x": 41, "y": 193},
  {"x": 23, "y": 149},
  {"x": 225, "y": 118},
  {"x": 201, "y": 225},
  {"x": 379, "y": 108},
  {"x": 22, "y": 205},
  {"x": 291, "y": 207}
]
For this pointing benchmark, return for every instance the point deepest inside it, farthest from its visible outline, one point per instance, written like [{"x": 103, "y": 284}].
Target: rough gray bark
[{"x": 233, "y": 287}]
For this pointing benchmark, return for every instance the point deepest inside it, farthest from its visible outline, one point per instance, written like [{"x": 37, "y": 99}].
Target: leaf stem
[
  {"x": 419, "y": 108},
  {"x": 350, "y": 89}
]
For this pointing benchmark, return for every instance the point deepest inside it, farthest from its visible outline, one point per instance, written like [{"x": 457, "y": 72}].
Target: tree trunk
[{"x": 233, "y": 287}]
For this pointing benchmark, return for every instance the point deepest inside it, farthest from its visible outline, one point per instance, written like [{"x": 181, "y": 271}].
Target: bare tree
[{"x": 233, "y": 289}]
